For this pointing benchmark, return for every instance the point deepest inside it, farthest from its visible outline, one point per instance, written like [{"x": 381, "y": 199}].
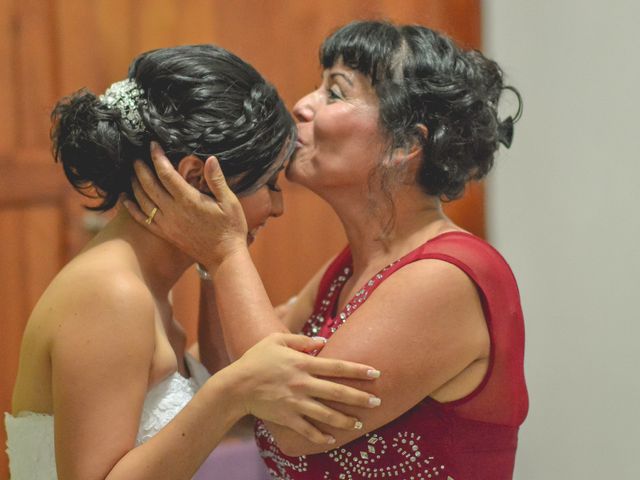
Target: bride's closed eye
[{"x": 273, "y": 186}]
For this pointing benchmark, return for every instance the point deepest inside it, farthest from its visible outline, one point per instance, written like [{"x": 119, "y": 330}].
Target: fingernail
[
  {"x": 374, "y": 401},
  {"x": 156, "y": 146},
  {"x": 320, "y": 339},
  {"x": 357, "y": 425},
  {"x": 373, "y": 373},
  {"x": 126, "y": 203},
  {"x": 330, "y": 440}
]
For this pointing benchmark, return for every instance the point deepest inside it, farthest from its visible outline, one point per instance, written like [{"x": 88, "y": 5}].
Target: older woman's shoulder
[{"x": 474, "y": 255}]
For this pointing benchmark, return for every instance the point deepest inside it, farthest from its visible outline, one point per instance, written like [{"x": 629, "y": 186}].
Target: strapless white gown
[{"x": 30, "y": 441}]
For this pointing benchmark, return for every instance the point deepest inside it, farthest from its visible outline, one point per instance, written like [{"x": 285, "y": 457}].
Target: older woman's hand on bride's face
[{"x": 206, "y": 229}]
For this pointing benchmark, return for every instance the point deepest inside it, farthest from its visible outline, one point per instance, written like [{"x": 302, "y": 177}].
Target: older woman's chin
[{"x": 294, "y": 172}]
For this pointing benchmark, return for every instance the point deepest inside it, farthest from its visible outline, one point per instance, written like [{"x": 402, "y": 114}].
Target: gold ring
[{"x": 151, "y": 215}]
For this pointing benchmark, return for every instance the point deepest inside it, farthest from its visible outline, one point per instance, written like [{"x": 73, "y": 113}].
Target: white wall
[{"x": 563, "y": 209}]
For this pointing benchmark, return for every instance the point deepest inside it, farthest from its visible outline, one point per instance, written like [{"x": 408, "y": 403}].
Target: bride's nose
[{"x": 277, "y": 204}]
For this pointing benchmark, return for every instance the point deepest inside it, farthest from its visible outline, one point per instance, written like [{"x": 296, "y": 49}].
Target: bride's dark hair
[{"x": 196, "y": 100}]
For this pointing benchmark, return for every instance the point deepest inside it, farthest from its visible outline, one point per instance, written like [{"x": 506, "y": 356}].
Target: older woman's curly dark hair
[{"x": 422, "y": 78}]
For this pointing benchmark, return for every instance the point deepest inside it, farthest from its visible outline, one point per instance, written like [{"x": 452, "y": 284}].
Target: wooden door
[{"x": 53, "y": 47}]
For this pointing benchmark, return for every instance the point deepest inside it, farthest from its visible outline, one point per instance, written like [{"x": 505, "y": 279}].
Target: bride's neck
[{"x": 160, "y": 264}]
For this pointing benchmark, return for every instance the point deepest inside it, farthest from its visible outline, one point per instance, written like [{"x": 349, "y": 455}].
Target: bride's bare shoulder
[{"x": 99, "y": 295}]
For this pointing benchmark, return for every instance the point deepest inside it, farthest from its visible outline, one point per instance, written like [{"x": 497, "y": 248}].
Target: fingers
[
  {"x": 142, "y": 214},
  {"x": 150, "y": 185},
  {"x": 327, "y": 390},
  {"x": 145, "y": 203},
  {"x": 215, "y": 180},
  {"x": 329, "y": 416},
  {"x": 171, "y": 182},
  {"x": 138, "y": 215},
  {"x": 133, "y": 209},
  {"x": 304, "y": 428},
  {"x": 302, "y": 343},
  {"x": 327, "y": 367}
]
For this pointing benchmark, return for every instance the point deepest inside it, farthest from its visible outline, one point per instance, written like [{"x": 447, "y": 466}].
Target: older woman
[{"x": 402, "y": 120}]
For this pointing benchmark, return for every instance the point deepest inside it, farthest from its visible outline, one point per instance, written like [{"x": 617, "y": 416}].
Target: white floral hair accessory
[{"x": 126, "y": 96}]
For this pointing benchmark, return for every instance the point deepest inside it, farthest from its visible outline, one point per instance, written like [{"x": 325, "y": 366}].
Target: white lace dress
[{"x": 30, "y": 441}]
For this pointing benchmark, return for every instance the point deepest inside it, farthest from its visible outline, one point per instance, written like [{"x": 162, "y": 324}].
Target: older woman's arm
[
  {"x": 212, "y": 351},
  {"x": 423, "y": 327}
]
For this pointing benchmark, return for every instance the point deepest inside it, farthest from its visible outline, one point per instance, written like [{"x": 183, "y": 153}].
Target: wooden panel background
[{"x": 53, "y": 47}]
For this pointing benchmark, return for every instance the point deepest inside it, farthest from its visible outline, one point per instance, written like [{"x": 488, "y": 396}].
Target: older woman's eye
[{"x": 333, "y": 94}]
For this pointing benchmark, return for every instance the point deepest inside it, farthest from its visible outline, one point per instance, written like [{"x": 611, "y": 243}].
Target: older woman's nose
[{"x": 303, "y": 110}]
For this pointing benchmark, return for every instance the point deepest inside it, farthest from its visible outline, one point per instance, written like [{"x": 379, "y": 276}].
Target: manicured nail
[
  {"x": 330, "y": 440},
  {"x": 374, "y": 401},
  {"x": 373, "y": 373},
  {"x": 320, "y": 339},
  {"x": 357, "y": 425}
]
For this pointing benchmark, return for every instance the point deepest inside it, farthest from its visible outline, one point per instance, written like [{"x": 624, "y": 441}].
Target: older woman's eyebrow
[{"x": 338, "y": 74}]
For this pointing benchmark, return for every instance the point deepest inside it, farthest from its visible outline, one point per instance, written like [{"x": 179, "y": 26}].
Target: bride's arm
[
  {"x": 101, "y": 360},
  {"x": 252, "y": 385}
]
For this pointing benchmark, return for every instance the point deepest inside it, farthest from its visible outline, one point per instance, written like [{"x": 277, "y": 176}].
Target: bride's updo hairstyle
[
  {"x": 193, "y": 100},
  {"x": 422, "y": 77}
]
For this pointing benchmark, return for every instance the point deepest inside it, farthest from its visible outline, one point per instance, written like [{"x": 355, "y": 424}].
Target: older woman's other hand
[{"x": 207, "y": 229}]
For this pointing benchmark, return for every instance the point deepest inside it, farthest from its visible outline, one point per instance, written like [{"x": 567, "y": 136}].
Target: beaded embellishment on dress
[
  {"x": 414, "y": 464},
  {"x": 317, "y": 320}
]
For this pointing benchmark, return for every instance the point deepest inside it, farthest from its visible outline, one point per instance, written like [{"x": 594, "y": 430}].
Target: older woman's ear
[
  {"x": 416, "y": 149},
  {"x": 191, "y": 168},
  {"x": 412, "y": 152}
]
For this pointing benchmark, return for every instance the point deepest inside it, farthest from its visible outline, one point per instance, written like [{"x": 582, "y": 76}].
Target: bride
[{"x": 106, "y": 388}]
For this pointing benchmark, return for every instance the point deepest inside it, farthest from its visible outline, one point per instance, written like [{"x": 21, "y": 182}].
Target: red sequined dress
[{"x": 471, "y": 438}]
